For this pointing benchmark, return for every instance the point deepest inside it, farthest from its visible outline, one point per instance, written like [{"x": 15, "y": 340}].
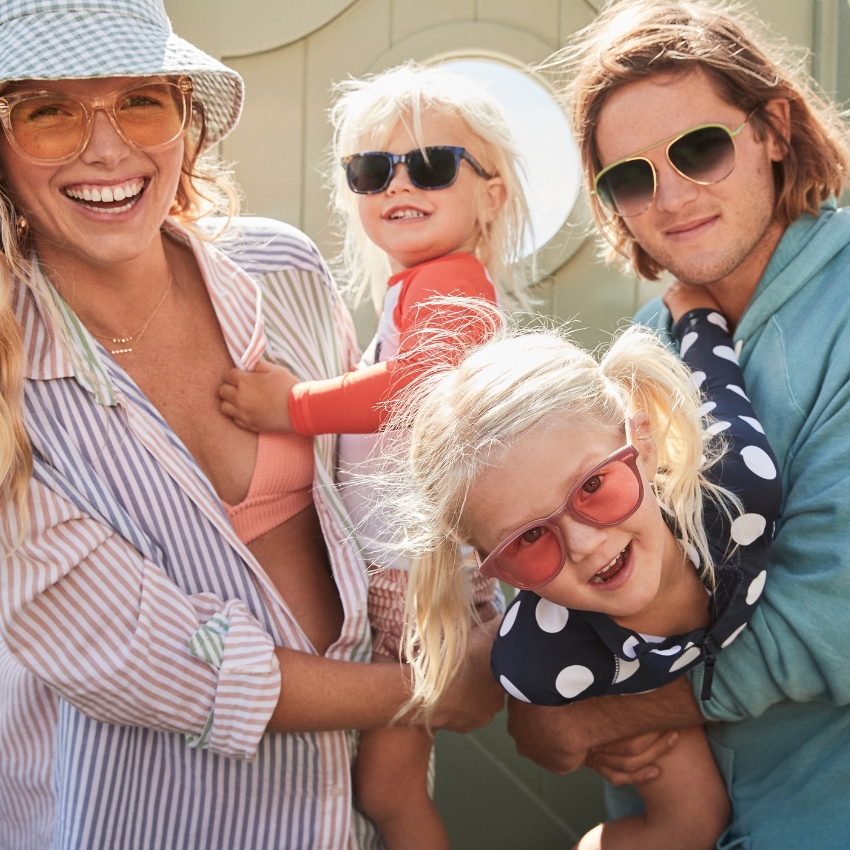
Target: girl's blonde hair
[
  {"x": 204, "y": 187},
  {"x": 639, "y": 39},
  {"x": 364, "y": 116},
  {"x": 464, "y": 419}
]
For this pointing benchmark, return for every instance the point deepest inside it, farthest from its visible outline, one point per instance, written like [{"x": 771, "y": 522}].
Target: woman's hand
[
  {"x": 680, "y": 298},
  {"x": 259, "y": 400},
  {"x": 474, "y": 697}
]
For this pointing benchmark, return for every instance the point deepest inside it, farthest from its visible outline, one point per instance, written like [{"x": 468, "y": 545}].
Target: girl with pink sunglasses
[{"x": 632, "y": 501}]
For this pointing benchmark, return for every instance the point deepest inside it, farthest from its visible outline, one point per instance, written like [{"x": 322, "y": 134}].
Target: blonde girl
[
  {"x": 638, "y": 539},
  {"x": 426, "y": 185}
]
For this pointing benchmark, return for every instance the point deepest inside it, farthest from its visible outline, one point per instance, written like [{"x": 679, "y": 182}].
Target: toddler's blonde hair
[
  {"x": 465, "y": 418},
  {"x": 364, "y": 116}
]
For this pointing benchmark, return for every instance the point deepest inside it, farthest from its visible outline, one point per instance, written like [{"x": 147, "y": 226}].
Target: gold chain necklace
[{"x": 136, "y": 335}]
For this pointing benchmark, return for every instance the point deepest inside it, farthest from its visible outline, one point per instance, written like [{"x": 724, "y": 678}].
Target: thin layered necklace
[{"x": 123, "y": 341}]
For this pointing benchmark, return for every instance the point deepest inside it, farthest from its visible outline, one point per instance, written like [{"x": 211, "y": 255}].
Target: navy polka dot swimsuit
[{"x": 550, "y": 655}]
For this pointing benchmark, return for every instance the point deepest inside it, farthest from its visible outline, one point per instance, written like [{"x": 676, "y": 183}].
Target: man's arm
[{"x": 559, "y": 737}]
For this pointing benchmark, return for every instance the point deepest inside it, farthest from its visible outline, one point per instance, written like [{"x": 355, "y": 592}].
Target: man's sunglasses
[
  {"x": 704, "y": 155},
  {"x": 433, "y": 167},
  {"x": 54, "y": 126},
  {"x": 535, "y": 553}
]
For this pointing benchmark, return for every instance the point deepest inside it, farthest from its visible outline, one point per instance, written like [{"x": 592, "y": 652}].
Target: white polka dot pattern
[
  {"x": 512, "y": 689},
  {"x": 759, "y": 462},
  {"x": 509, "y": 619},
  {"x": 715, "y": 428},
  {"x": 626, "y": 669},
  {"x": 747, "y": 528},
  {"x": 736, "y": 389},
  {"x": 691, "y": 552},
  {"x": 573, "y": 680},
  {"x": 629, "y": 646},
  {"x": 697, "y": 378},
  {"x": 673, "y": 650},
  {"x": 687, "y": 657},
  {"x": 687, "y": 341},
  {"x": 753, "y": 423},
  {"x": 756, "y": 587},
  {"x": 717, "y": 319},
  {"x": 551, "y": 618},
  {"x": 706, "y": 408},
  {"x": 725, "y": 352},
  {"x": 734, "y": 635}
]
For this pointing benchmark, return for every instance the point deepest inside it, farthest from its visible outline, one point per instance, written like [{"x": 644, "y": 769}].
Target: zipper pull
[{"x": 708, "y": 675}]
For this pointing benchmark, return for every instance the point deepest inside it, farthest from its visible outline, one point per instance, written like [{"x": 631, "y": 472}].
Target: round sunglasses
[
  {"x": 536, "y": 552},
  {"x": 704, "y": 155},
  {"x": 53, "y": 126},
  {"x": 432, "y": 167}
]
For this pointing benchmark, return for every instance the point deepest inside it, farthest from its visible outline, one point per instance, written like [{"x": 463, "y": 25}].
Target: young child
[
  {"x": 429, "y": 195},
  {"x": 638, "y": 540}
]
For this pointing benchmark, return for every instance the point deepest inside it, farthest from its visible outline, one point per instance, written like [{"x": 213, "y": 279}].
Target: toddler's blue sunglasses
[{"x": 433, "y": 167}]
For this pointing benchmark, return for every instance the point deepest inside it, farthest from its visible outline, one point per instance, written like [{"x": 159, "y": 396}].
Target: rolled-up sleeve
[{"x": 105, "y": 627}]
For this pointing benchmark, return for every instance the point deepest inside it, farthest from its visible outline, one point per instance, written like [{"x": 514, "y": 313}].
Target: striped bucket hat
[{"x": 80, "y": 39}]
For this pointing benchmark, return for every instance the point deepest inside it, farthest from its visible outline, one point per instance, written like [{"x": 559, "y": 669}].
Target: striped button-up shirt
[{"x": 137, "y": 671}]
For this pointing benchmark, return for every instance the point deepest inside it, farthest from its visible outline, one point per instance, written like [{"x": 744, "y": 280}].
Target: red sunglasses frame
[{"x": 489, "y": 568}]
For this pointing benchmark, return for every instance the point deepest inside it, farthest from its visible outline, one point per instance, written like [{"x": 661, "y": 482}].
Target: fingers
[
  {"x": 632, "y": 761},
  {"x": 617, "y": 777}
]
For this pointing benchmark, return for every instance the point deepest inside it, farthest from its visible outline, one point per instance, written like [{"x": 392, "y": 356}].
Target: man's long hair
[{"x": 632, "y": 41}]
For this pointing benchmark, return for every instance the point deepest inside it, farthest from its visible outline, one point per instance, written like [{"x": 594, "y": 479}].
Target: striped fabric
[{"x": 138, "y": 672}]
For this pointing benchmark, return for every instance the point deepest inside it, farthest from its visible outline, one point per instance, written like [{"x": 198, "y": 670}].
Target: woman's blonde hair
[
  {"x": 204, "y": 187},
  {"x": 637, "y": 39},
  {"x": 364, "y": 115},
  {"x": 464, "y": 419}
]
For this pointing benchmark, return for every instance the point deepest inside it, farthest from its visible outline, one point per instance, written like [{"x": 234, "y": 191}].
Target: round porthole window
[{"x": 553, "y": 174}]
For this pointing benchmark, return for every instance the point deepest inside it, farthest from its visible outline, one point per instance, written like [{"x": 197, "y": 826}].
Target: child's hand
[
  {"x": 258, "y": 400},
  {"x": 680, "y": 298}
]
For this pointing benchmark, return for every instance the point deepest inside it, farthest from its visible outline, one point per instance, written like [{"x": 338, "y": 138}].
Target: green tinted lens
[
  {"x": 706, "y": 155},
  {"x": 627, "y": 188}
]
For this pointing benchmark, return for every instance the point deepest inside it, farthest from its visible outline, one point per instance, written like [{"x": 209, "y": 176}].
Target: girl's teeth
[
  {"x": 118, "y": 194},
  {"x": 95, "y": 195},
  {"x": 86, "y": 194},
  {"x": 106, "y": 195}
]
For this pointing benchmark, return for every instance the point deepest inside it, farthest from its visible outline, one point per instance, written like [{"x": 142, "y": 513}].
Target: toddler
[{"x": 427, "y": 187}]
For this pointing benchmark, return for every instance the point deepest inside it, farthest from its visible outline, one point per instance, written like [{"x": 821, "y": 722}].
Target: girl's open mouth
[{"x": 613, "y": 569}]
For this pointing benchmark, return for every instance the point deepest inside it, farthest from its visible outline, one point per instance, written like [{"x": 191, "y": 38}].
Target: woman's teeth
[
  {"x": 608, "y": 572},
  {"x": 107, "y": 195}
]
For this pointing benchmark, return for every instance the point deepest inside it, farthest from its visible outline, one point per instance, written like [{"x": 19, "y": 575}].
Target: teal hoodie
[{"x": 781, "y": 692}]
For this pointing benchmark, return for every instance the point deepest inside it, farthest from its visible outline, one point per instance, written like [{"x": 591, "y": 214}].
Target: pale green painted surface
[{"x": 290, "y": 52}]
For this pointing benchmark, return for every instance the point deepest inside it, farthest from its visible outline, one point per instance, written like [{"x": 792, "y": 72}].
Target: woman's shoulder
[{"x": 264, "y": 245}]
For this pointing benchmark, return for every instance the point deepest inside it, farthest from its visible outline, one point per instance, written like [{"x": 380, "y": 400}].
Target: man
[{"x": 745, "y": 208}]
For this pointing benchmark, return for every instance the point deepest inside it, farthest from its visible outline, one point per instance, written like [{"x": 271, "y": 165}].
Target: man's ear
[
  {"x": 641, "y": 434},
  {"x": 780, "y": 113}
]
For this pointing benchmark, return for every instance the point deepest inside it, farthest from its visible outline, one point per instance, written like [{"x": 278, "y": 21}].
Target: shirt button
[{"x": 336, "y": 791}]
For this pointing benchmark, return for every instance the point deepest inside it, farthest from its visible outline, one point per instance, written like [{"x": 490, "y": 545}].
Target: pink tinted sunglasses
[{"x": 536, "y": 552}]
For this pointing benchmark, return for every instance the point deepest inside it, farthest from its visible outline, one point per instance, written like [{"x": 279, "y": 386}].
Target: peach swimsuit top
[{"x": 280, "y": 487}]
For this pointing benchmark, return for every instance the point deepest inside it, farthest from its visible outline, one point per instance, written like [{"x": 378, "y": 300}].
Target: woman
[{"x": 150, "y": 641}]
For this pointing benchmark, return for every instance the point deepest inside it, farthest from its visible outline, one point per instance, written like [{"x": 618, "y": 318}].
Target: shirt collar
[{"x": 58, "y": 345}]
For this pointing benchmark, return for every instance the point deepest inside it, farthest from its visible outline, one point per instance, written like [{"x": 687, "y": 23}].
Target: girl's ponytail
[{"x": 654, "y": 380}]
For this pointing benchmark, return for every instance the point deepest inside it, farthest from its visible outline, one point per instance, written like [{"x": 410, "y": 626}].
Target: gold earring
[{"x": 22, "y": 226}]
